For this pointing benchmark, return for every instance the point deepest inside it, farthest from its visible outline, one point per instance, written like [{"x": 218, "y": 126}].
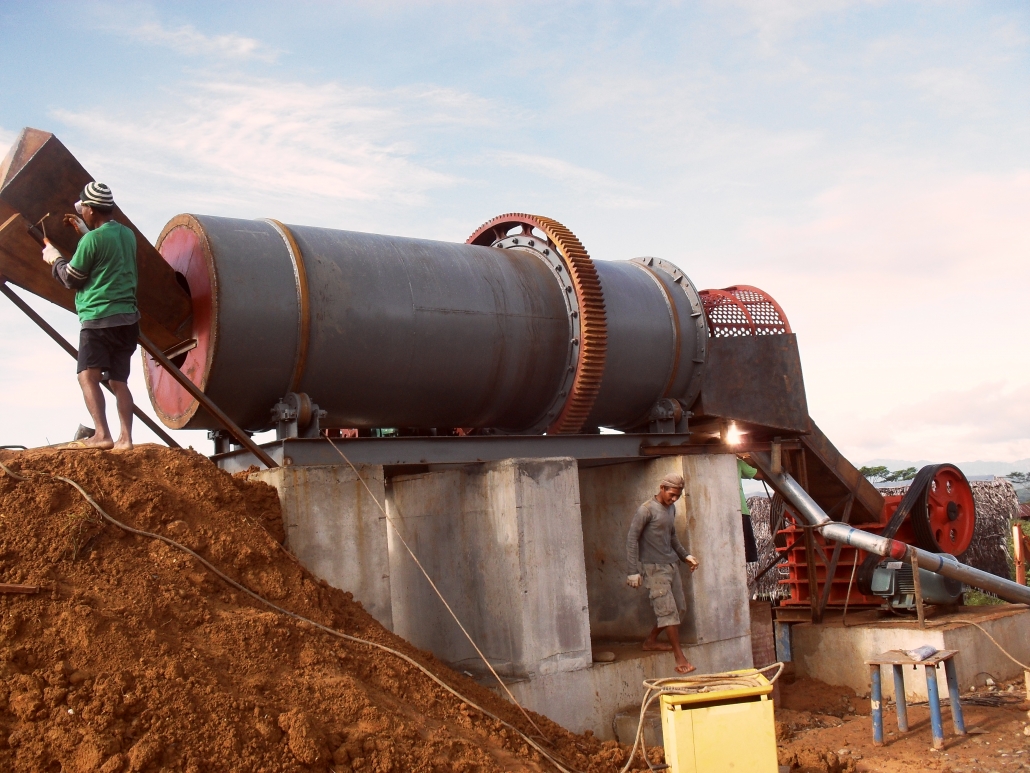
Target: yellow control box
[{"x": 722, "y": 730}]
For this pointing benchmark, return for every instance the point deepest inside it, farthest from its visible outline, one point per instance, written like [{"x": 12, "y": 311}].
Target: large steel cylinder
[{"x": 385, "y": 331}]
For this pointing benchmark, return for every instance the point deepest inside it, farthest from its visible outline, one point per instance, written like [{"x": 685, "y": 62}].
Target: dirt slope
[{"x": 135, "y": 658}]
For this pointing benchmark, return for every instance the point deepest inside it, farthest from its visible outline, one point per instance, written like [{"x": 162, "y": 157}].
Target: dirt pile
[
  {"x": 998, "y": 739},
  {"x": 135, "y": 658}
]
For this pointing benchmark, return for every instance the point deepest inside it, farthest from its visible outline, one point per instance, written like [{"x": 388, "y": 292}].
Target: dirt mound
[
  {"x": 136, "y": 658},
  {"x": 811, "y": 695}
]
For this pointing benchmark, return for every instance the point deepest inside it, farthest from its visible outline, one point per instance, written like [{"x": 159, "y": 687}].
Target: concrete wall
[
  {"x": 708, "y": 524},
  {"x": 504, "y": 545},
  {"x": 336, "y": 530},
  {"x": 531, "y": 556},
  {"x": 589, "y": 699},
  {"x": 837, "y": 655}
]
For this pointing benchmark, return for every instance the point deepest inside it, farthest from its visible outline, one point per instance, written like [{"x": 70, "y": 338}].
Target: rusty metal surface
[
  {"x": 405, "y": 332},
  {"x": 757, "y": 380},
  {"x": 41, "y": 176},
  {"x": 246, "y": 311},
  {"x": 228, "y": 424},
  {"x": 592, "y": 323},
  {"x": 743, "y": 310},
  {"x": 832, "y": 477},
  {"x": 21, "y": 263}
]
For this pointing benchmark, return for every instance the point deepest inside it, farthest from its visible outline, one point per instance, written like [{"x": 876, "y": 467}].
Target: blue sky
[{"x": 868, "y": 164}]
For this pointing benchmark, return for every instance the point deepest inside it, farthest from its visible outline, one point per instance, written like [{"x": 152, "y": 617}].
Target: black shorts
[{"x": 108, "y": 348}]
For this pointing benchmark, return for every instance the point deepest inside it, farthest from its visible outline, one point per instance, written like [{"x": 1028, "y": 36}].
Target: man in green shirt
[
  {"x": 745, "y": 470},
  {"x": 103, "y": 273}
]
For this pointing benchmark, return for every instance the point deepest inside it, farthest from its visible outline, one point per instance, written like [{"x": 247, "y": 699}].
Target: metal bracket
[
  {"x": 296, "y": 416},
  {"x": 667, "y": 417},
  {"x": 222, "y": 440}
]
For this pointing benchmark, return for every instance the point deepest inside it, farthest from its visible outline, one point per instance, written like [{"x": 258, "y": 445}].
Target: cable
[
  {"x": 1004, "y": 651},
  {"x": 691, "y": 685},
  {"x": 435, "y": 589},
  {"x": 847, "y": 597},
  {"x": 30, "y": 474}
]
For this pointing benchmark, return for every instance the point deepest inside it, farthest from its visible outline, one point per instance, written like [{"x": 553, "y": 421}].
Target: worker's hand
[
  {"x": 692, "y": 563},
  {"x": 50, "y": 253},
  {"x": 634, "y": 580},
  {"x": 76, "y": 222}
]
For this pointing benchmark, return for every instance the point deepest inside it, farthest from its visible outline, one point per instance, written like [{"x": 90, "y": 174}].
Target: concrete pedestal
[
  {"x": 504, "y": 545},
  {"x": 336, "y": 530},
  {"x": 836, "y": 655}
]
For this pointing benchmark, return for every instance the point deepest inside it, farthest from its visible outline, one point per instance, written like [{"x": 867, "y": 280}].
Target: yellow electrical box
[{"x": 721, "y": 730}]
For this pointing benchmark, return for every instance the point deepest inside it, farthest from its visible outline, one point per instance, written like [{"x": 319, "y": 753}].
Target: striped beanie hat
[{"x": 98, "y": 196}]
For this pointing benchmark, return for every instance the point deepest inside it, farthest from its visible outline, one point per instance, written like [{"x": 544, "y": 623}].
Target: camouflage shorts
[{"x": 665, "y": 590}]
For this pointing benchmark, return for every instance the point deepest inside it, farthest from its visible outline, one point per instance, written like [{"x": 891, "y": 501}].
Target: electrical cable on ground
[
  {"x": 690, "y": 685},
  {"x": 30, "y": 474}
]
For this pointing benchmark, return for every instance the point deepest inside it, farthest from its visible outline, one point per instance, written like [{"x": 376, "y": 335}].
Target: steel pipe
[
  {"x": 385, "y": 331},
  {"x": 941, "y": 563}
]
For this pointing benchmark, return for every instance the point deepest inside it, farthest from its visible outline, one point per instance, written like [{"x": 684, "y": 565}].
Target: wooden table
[{"x": 897, "y": 659}]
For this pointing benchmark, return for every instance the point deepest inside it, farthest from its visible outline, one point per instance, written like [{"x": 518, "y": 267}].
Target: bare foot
[
  {"x": 123, "y": 445},
  {"x": 81, "y": 445},
  {"x": 684, "y": 668},
  {"x": 656, "y": 646},
  {"x": 104, "y": 443}
]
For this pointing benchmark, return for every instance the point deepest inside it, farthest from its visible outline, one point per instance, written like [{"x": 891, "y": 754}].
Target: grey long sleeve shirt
[{"x": 652, "y": 537}]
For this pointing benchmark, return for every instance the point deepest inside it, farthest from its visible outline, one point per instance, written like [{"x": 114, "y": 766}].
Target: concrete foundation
[
  {"x": 531, "y": 556},
  {"x": 589, "y": 699},
  {"x": 337, "y": 530},
  {"x": 836, "y": 655},
  {"x": 504, "y": 545}
]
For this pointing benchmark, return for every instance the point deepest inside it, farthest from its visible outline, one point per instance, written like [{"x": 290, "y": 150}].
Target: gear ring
[{"x": 593, "y": 324}]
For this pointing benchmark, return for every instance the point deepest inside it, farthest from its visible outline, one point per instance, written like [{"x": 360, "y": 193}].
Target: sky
[{"x": 866, "y": 163}]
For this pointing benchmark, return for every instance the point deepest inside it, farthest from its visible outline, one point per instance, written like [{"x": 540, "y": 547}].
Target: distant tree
[
  {"x": 881, "y": 474},
  {"x": 1019, "y": 478},
  {"x": 875, "y": 474},
  {"x": 898, "y": 475}
]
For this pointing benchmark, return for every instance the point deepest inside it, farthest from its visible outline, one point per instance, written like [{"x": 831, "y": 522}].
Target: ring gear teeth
[{"x": 593, "y": 323}]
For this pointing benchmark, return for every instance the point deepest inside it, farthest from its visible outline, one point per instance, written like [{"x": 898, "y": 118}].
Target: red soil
[{"x": 136, "y": 658}]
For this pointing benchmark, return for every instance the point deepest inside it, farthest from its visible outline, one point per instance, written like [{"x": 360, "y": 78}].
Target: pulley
[{"x": 946, "y": 518}]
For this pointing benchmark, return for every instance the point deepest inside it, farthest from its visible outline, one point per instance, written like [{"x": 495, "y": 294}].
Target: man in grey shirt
[{"x": 654, "y": 552}]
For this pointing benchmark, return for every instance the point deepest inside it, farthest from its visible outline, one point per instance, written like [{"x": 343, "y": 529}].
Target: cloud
[
  {"x": 189, "y": 40},
  {"x": 954, "y": 90},
  {"x": 606, "y": 191},
  {"x": 234, "y": 144},
  {"x": 774, "y": 20},
  {"x": 991, "y": 419}
]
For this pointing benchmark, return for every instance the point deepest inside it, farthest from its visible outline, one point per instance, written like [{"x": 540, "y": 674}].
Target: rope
[
  {"x": 983, "y": 630},
  {"x": 30, "y": 474},
  {"x": 435, "y": 589}
]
